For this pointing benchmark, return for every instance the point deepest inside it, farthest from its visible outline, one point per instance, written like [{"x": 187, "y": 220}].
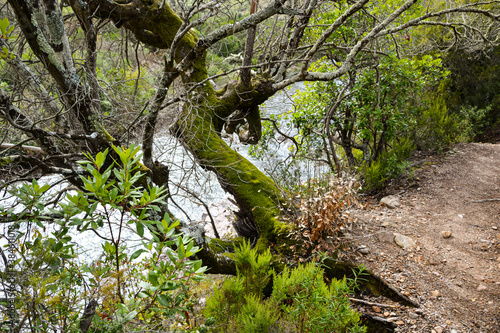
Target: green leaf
[
  {"x": 181, "y": 250},
  {"x": 85, "y": 268},
  {"x": 4, "y": 24},
  {"x": 140, "y": 228},
  {"x": 153, "y": 278},
  {"x": 166, "y": 217},
  {"x": 56, "y": 247},
  {"x": 137, "y": 253},
  {"x": 44, "y": 188},
  {"x": 163, "y": 300},
  {"x": 100, "y": 158}
]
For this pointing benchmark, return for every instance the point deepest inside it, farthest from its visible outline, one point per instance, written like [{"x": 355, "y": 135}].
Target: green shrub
[
  {"x": 254, "y": 270},
  {"x": 435, "y": 127},
  {"x": 474, "y": 122},
  {"x": 224, "y": 304},
  {"x": 300, "y": 300},
  {"x": 139, "y": 290},
  {"x": 257, "y": 316},
  {"x": 312, "y": 306},
  {"x": 389, "y": 165}
]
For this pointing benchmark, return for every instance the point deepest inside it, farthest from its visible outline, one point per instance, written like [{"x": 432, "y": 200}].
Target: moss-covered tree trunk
[
  {"x": 205, "y": 111},
  {"x": 199, "y": 128}
]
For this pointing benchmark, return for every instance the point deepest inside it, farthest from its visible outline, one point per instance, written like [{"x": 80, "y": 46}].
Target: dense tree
[{"x": 55, "y": 103}]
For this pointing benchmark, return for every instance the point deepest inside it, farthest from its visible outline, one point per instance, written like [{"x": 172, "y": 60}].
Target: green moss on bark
[{"x": 255, "y": 193}]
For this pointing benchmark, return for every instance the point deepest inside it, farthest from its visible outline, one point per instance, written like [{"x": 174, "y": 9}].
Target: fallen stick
[{"x": 371, "y": 303}]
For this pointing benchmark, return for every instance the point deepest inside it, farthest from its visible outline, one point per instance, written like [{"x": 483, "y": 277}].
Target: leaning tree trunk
[
  {"x": 203, "y": 114},
  {"x": 199, "y": 127}
]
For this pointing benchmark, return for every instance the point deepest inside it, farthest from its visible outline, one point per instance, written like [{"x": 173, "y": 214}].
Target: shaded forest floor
[{"x": 451, "y": 209}]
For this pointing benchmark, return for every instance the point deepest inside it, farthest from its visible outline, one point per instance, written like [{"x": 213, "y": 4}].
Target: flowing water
[{"x": 192, "y": 189}]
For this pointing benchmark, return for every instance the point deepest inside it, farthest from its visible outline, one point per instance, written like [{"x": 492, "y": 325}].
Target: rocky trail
[{"x": 440, "y": 246}]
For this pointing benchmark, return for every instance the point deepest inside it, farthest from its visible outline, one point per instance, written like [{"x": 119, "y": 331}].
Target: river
[{"x": 192, "y": 188}]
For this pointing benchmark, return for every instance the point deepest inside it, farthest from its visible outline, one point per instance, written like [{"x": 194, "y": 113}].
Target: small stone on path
[
  {"x": 481, "y": 287},
  {"x": 404, "y": 242},
  {"x": 376, "y": 309},
  {"x": 446, "y": 234},
  {"x": 438, "y": 329},
  {"x": 435, "y": 293},
  {"x": 413, "y": 315},
  {"x": 364, "y": 250},
  {"x": 390, "y": 201}
]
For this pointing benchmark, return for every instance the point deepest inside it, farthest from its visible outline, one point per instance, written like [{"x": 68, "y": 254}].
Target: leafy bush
[
  {"x": 474, "y": 122},
  {"x": 309, "y": 305},
  {"x": 300, "y": 300},
  {"x": 145, "y": 289},
  {"x": 434, "y": 127},
  {"x": 389, "y": 165},
  {"x": 364, "y": 111},
  {"x": 474, "y": 87}
]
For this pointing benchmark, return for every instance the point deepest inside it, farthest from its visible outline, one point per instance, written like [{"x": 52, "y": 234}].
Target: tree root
[
  {"x": 365, "y": 279},
  {"x": 377, "y": 324}
]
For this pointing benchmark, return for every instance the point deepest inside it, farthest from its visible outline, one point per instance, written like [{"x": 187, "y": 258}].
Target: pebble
[
  {"x": 399, "y": 322},
  {"x": 435, "y": 293},
  {"x": 478, "y": 277},
  {"x": 364, "y": 250},
  {"x": 481, "y": 287},
  {"x": 404, "y": 242},
  {"x": 390, "y": 201},
  {"x": 386, "y": 223},
  {"x": 438, "y": 329},
  {"x": 386, "y": 314},
  {"x": 413, "y": 315},
  {"x": 446, "y": 234},
  {"x": 494, "y": 227},
  {"x": 376, "y": 309}
]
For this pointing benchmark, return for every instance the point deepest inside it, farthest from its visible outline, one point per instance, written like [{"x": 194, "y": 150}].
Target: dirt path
[{"x": 455, "y": 279}]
